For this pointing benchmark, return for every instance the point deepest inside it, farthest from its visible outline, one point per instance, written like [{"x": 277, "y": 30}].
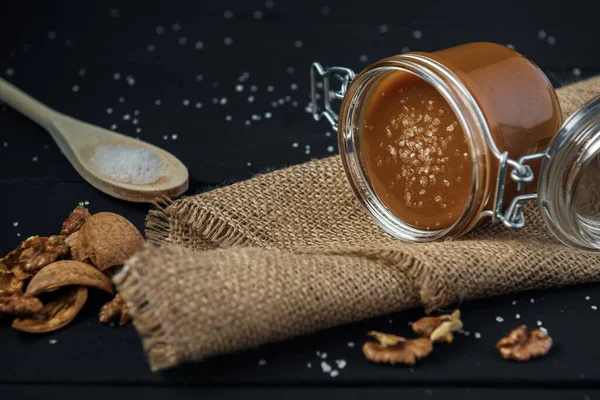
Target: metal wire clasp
[
  {"x": 345, "y": 75},
  {"x": 521, "y": 173}
]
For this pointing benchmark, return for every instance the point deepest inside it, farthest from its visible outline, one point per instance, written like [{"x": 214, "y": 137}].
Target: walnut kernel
[
  {"x": 18, "y": 303},
  {"x": 74, "y": 221},
  {"x": 34, "y": 253},
  {"x": 394, "y": 349},
  {"x": 116, "y": 308},
  {"x": 439, "y": 329},
  {"x": 522, "y": 345}
]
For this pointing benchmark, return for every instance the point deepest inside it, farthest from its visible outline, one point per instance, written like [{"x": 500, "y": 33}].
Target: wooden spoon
[{"x": 78, "y": 141}]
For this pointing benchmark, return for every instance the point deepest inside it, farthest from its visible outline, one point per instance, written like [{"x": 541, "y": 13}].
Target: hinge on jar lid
[
  {"x": 345, "y": 75},
  {"x": 521, "y": 173}
]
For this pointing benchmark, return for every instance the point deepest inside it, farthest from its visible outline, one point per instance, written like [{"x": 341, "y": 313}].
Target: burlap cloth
[{"x": 291, "y": 252}]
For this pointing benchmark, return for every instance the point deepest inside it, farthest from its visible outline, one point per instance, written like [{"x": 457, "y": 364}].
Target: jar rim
[{"x": 471, "y": 118}]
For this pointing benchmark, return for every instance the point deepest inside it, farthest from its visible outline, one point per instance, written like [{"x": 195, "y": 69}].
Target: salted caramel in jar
[{"x": 429, "y": 140}]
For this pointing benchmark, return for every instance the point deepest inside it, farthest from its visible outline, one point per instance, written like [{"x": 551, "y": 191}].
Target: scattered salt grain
[
  {"x": 121, "y": 99},
  {"x": 269, "y": 4},
  {"x": 15, "y": 224},
  {"x": 594, "y": 308},
  {"x": 75, "y": 88},
  {"x": 165, "y": 137},
  {"x": 157, "y": 102},
  {"x": 327, "y": 134},
  {"x": 86, "y": 203},
  {"x": 257, "y": 14},
  {"x": 334, "y": 373},
  {"x": 34, "y": 159},
  {"x": 176, "y": 27},
  {"x": 325, "y": 367},
  {"x": 341, "y": 364},
  {"x": 318, "y": 353},
  {"x": 186, "y": 102},
  {"x": 198, "y": 105},
  {"x": 160, "y": 30},
  {"x": 228, "y": 41},
  {"x": 247, "y": 122},
  {"x": 138, "y": 130},
  {"x": 113, "y": 126},
  {"x": 383, "y": 28},
  {"x": 249, "y": 164},
  {"x": 587, "y": 297},
  {"x": 52, "y": 341},
  {"x": 182, "y": 40},
  {"x": 136, "y": 112},
  {"x": 18, "y": 234},
  {"x": 295, "y": 144},
  {"x": 128, "y": 164},
  {"x": 308, "y": 365},
  {"x": 324, "y": 356},
  {"x": 404, "y": 50},
  {"x": 126, "y": 117},
  {"x": 270, "y": 88},
  {"x": 250, "y": 99},
  {"x": 215, "y": 100},
  {"x": 287, "y": 98},
  {"x": 542, "y": 34},
  {"x": 417, "y": 34},
  {"x": 151, "y": 47},
  {"x": 268, "y": 115},
  {"x": 532, "y": 300},
  {"x": 290, "y": 70},
  {"x": 514, "y": 303},
  {"x": 199, "y": 78},
  {"x": 350, "y": 344},
  {"x": 4, "y": 144},
  {"x": 544, "y": 329},
  {"x": 239, "y": 88},
  {"x": 294, "y": 86},
  {"x": 499, "y": 319},
  {"x": 228, "y": 118},
  {"x": 518, "y": 316},
  {"x": 51, "y": 35},
  {"x": 391, "y": 321},
  {"x": 116, "y": 76},
  {"x": 363, "y": 58},
  {"x": 114, "y": 13},
  {"x": 280, "y": 101},
  {"x": 510, "y": 46},
  {"x": 174, "y": 136},
  {"x": 539, "y": 323},
  {"x": 255, "y": 117},
  {"x": 576, "y": 71},
  {"x": 298, "y": 44},
  {"x": 228, "y": 14},
  {"x": 551, "y": 40},
  {"x": 199, "y": 45},
  {"x": 262, "y": 363},
  {"x": 130, "y": 80},
  {"x": 253, "y": 88},
  {"x": 109, "y": 110},
  {"x": 81, "y": 72},
  {"x": 477, "y": 335},
  {"x": 223, "y": 101}
]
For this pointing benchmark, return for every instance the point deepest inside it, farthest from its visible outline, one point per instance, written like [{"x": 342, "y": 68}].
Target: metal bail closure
[
  {"x": 344, "y": 75},
  {"x": 569, "y": 181}
]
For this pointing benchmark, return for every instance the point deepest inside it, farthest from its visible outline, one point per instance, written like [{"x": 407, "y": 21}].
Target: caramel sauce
[{"x": 415, "y": 151}]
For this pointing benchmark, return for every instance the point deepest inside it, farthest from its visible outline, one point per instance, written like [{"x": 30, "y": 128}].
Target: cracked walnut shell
[
  {"x": 68, "y": 273},
  {"x": 106, "y": 240},
  {"x": 439, "y": 329},
  {"x": 394, "y": 349},
  {"x": 522, "y": 345},
  {"x": 34, "y": 253},
  {"x": 116, "y": 308},
  {"x": 55, "y": 314}
]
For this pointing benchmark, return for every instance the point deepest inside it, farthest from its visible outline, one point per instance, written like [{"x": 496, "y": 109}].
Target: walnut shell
[
  {"x": 55, "y": 314},
  {"x": 106, "y": 240},
  {"x": 68, "y": 273}
]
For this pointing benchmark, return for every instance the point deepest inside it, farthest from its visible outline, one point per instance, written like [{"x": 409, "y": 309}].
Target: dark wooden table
[{"x": 174, "y": 69}]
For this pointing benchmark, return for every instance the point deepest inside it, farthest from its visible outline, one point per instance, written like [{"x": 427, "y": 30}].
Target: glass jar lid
[{"x": 569, "y": 180}]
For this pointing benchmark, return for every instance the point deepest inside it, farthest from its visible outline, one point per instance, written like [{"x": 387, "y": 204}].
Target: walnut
[
  {"x": 11, "y": 282},
  {"x": 55, "y": 314},
  {"x": 68, "y": 273},
  {"x": 34, "y": 254},
  {"x": 439, "y": 329},
  {"x": 116, "y": 308},
  {"x": 74, "y": 221},
  {"x": 394, "y": 349},
  {"x": 18, "y": 303},
  {"x": 522, "y": 345},
  {"x": 106, "y": 240}
]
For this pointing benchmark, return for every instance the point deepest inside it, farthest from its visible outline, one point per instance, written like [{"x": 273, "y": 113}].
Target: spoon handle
[{"x": 27, "y": 105}]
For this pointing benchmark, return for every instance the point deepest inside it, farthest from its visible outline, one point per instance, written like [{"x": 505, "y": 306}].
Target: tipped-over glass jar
[{"x": 435, "y": 143}]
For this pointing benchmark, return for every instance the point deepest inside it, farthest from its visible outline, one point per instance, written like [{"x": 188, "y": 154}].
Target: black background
[{"x": 45, "y": 45}]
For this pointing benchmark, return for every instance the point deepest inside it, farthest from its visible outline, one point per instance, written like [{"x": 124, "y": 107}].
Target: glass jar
[{"x": 505, "y": 114}]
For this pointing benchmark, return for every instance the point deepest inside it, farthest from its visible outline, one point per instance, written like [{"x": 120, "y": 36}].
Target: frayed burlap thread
[{"x": 292, "y": 252}]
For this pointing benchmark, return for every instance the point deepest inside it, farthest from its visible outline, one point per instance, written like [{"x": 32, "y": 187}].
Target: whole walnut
[{"x": 105, "y": 240}]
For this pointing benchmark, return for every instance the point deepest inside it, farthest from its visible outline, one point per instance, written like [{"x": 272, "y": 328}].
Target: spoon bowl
[{"x": 78, "y": 141}]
